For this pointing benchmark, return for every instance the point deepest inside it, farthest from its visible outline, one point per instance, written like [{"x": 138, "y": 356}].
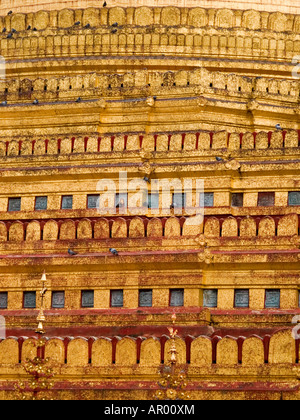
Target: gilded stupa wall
[{"x": 172, "y": 90}]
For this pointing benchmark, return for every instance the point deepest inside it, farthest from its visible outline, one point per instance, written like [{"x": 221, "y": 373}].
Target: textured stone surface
[
  {"x": 137, "y": 101},
  {"x": 290, "y": 6}
]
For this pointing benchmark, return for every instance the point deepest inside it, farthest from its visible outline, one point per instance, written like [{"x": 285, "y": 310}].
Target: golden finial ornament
[
  {"x": 39, "y": 375},
  {"x": 41, "y": 317},
  {"x": 173, "y": 350},
  {"x": 173, "y": 378}
]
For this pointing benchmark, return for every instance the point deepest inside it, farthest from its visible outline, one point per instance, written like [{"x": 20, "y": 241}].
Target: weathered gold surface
[
  {"x": 290, "y": 6},
  {"x": 172, "y": 90}
]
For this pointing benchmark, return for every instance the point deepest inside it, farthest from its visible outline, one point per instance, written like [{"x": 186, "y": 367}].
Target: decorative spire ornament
[
  {"x": 41, "y": 317},
  {"x": 173, "y": 378}
]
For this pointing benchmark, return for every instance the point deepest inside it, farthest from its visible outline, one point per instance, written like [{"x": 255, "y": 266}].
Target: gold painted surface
[
  {"x": 290, "y": 6},
  {"x": 203, "y": 83}
]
